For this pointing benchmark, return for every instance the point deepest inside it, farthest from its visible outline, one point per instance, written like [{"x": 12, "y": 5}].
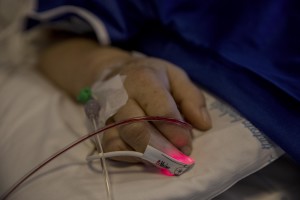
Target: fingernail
[
  {"x": 205, "y": 116},
  {"x": 187, "y": 150}
]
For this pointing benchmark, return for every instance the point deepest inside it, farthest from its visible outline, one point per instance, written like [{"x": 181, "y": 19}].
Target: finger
[
  {"x": 112, "y": 141},
  {"x": 136, "y": 135},
  {"x": 155, "y": 99},
  {"x": 189, "y": 98}
]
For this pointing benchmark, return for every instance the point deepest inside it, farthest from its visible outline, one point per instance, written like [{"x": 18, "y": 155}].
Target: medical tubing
[
  {"x": 103, "y": 162},
  {"x": 87, "y": 136},
  {"x": 92, "y": 109},
  {"x": 114, "y": 154}
]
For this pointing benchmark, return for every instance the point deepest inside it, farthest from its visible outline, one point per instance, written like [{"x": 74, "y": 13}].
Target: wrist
[{"x": 106, "y": 58}]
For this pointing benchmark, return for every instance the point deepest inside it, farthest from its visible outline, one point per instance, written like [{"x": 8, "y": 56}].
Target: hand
[{"x": 157, "y": 88}]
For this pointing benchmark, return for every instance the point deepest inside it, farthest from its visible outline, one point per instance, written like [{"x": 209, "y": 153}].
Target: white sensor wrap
[{"x": 162, "y": 160}]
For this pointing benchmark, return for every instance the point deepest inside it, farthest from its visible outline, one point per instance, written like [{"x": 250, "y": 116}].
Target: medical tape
[{"x": 111, "y": 96}]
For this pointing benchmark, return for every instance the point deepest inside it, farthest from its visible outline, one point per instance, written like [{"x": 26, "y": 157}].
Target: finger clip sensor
[
  {"x": 176, "y": 162},
  {"x": 161, "y": 153}
]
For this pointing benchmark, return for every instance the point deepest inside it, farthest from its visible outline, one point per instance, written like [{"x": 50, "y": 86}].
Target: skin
[{"x": 155, "y": 88}]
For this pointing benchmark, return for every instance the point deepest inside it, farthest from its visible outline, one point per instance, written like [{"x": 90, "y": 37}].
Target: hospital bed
[
  {"x": 38, "y": 120},
  {"x": 234, "y": 160}
]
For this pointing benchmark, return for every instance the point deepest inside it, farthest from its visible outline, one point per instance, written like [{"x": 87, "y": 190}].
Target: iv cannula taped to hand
[{"x": 177, "y": 164}]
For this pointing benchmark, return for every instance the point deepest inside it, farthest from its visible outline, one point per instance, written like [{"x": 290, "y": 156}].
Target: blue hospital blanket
[{"x": 245, "y": 52}]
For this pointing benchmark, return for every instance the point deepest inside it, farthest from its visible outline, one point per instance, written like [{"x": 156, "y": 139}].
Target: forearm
[{"x": 76, "y": 63}]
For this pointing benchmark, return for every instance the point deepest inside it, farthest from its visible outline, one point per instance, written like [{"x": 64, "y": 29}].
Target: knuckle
[
  {"x": 165, "y": 108},
  {"x": 143, "y": 68},
  {"x": 139, "y": 79},
  {"x": 169, "y": 111},
  {"x": 142, "y": 74}
]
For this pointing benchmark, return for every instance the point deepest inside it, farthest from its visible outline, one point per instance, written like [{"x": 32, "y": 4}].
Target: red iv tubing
[{"x": 87, "y": 136}]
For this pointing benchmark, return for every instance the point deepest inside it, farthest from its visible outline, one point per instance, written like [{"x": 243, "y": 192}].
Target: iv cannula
[{"x": 92, "y": 109}]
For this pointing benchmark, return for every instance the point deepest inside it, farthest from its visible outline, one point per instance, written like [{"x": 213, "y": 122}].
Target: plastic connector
[
  {"x": 92, "y": 109},
  {"x": 84, "y": 95}
]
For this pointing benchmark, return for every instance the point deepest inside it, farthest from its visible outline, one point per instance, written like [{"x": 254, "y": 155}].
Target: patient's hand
[{"x": 157, "y": 88}]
